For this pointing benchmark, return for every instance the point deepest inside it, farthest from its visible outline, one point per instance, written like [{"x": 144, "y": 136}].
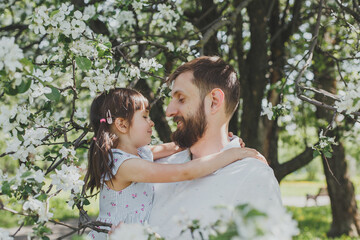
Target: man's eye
[{"x": 181, "y": 100}]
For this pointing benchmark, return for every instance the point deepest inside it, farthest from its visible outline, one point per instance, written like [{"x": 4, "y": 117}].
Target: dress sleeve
[
  {"x": 119, "y": 158},
  {"x": 146, "y": 153}
]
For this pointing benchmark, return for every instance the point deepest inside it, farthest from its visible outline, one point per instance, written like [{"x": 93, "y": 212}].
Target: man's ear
[
  {"x": 122, "y": 125},
  {"x": 217, "y": 99}
]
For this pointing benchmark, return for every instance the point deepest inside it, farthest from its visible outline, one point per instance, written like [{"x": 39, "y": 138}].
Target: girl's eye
[
  {"x": 145, "y": 117},
  {"x": 181, "y": 100}
]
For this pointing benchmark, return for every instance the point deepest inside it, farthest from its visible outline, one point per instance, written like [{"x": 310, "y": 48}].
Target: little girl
[{"x": 121, "y": 162}]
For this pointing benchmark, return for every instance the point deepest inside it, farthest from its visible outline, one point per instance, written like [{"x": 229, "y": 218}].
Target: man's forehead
[{"x": 183, "y": 84}]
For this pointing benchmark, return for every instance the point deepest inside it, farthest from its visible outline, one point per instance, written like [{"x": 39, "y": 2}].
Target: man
[{"x": 205, "y": 93}]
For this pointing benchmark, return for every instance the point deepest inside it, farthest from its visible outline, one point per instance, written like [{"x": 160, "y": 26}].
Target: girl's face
[{"x": 141, "y": 128}]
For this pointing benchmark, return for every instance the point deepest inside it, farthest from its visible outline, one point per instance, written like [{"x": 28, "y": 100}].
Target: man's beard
[{"x": 191, "y": 130}]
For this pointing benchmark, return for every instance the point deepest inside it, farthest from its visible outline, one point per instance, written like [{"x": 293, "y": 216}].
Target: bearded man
[{"x": 205, "y": 94}]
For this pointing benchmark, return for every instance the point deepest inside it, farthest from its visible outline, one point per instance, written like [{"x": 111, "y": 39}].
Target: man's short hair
[{"x": 209, "y": 73}]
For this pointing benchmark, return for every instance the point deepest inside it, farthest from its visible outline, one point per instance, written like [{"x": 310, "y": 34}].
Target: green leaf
[
  {"x": 23, "y": 87},
  {"x": 83, "y": 63},
  {"x": 5, "y": 189},
  {"x": 27, "y": 65},
  {"x": 42, "y": 197},
  {"x": 28, "y": 189},
  {"x": 54, "y": 95},
  {"x": 26, "y": 174},
  {"x": 108, "y": 44},
  {"x": 316, "y": 153},
  {"x": 328, "y": 154},
  {"x": 86, "y": 202},
  {"x": 54, "y": 12}
]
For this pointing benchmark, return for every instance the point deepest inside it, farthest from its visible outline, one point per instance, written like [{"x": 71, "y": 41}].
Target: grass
[
  {"x": 293, "y": 187},
  {"x": 300, "y": 188},
  {"x": 314, "y": 222}
]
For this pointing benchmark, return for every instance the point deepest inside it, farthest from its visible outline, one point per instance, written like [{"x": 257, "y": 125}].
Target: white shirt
[{"x": 245, "y": 181}]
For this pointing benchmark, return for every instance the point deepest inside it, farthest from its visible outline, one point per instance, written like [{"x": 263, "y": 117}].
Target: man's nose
[{"x": 171, "y": 110}]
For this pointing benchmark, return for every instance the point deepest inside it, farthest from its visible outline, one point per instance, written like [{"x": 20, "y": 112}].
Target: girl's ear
[
  {"x": 121, "y": 125},
  {"x": 217, "y": 99}
]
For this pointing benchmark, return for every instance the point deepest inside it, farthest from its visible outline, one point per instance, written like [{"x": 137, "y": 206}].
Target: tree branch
[
  {"x": 219, "y": 23},
  {"x": 141, "y": 42},
  {"x": 311, "y": 50},
  {"x": 348, "y": 10},
  {"x": 14, "y": 27},
  {"x": 294, "y": 164}
]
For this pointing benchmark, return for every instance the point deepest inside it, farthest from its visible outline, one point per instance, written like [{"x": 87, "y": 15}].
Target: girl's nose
[{"x": 151, "y": 123}]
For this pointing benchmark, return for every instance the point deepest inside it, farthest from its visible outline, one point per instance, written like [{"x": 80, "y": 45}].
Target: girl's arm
[
  {"x": 140, "y": 170},
  {"x": 164, "y": 150},
  {"x": 167, "y": 149}
]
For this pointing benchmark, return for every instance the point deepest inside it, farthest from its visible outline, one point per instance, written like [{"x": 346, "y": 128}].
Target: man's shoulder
[
  {"x": 248, "y": 168},
  {"x": 248, "y": 164},
  {"x": 179, "y": 157}
]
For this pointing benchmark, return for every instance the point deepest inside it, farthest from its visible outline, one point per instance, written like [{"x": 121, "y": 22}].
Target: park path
[{"x": 59, "y": 230}]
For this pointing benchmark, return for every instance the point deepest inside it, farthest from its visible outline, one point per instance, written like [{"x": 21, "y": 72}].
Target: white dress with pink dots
[{"x": 133, "y": 204}]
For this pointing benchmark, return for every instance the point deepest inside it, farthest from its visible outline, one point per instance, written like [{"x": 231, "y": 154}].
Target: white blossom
[
  {"x": 125, "y": 18},
  {"x": 273, "y": 224},
  {"x": 350, "y": 102},
  {"x": 40, "y": 19},
  {"x": 84, "y": 48},
  {"x": 78, "y": 27},
  {"x": 166, "y": 18},
  {"x": 67, "y": 178},
  {"x": 137, "y": 5},
  {"x": 39, "y": 176},
  {"x": 66, "y": 8},
  {"x": 184, "y": 47},
  {"x": 133, "y": 72},
  {"x": 38, "y": 207},
  {"x": 67, "y": 152},
  {"x": 43, "y": 76},
  {"x": 268, "y": 111},
  {"x": 170, "y": 46},
  {"x": 10, "y": 54},
  {"x": 100, "y": 80},
  {"x": 146, "y": 64},
  {"x": 90, "y": 11},
  {"x": 188, "y": 26},
  {"x": 81, "y": 113},
  {"x": 34, "y": 136}
]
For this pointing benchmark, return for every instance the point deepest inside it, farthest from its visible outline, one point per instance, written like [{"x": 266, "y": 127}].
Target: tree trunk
[
  {"x": 345, "y": 215},
  {"x": 252, "y": 77}
]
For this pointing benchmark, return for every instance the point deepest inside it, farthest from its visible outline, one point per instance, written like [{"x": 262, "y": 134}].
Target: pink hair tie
[
  {"x": 103, "y": 120},
  {"x": 94, "y": 138}
]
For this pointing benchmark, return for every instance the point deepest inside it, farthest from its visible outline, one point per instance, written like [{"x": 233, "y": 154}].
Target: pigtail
[
  {"x": 100, "y": 157},
  {"x": 120, "y": 102}
]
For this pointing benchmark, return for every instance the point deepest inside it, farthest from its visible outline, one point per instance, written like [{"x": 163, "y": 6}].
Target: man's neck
[{"x": 213, "y": 141}]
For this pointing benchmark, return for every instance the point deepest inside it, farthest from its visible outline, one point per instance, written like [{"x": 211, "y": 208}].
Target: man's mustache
[{"x": 178, "y": 118}]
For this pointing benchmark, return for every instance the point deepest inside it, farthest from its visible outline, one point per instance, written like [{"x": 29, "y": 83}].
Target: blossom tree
[{"x": 55, "y": 56}]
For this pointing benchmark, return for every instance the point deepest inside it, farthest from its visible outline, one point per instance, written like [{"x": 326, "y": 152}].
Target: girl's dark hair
[{"x": 121, "y": 102}]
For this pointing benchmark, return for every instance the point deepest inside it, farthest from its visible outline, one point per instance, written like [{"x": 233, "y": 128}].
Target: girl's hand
[
  {"x": 113, "y": 228},
  {"x": 244, "y": 152},
  {"x": 242, "y": 144}
]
